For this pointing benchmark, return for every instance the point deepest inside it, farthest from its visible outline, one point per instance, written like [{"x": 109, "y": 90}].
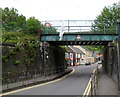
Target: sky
[{"x": 59, "y": 9}]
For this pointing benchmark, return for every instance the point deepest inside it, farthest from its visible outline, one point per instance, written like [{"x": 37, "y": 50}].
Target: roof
[
  {"x": 86, "y": 49},
  {"x": 97, "y": 52},
  {"x": 76, "y": 50}
]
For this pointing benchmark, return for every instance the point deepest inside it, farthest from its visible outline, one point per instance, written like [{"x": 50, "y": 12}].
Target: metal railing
[
  {"x": 12, "y": 80},
  {"x": 94, "y": 83},
  {"x": 76, "y": 26},
  {"x": 92, "y": 86}
]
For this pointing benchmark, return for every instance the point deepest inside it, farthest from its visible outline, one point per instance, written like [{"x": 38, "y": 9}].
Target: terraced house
[{"x": 74, "y": 56}]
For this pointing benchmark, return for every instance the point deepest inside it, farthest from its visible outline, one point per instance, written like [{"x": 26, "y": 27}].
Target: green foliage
[
  {"x": 30, "y": 45},
  {"x": 107, "y": 20},
  {"x": 0, "y": 20},
  {"x": 16, "y": 62},
  {"x": 11, "y": 20},
  {"x": 4, "y": 58},
  {"x": 95, "y": 48},
  {"x": 22, "y": 41},
  {"x": 11, "y": 37},
  {"x": 23, "y": 34},
  {"x": 8, "y": 54},
  {"x": 64, "y": 48},
  {"x": 33, "y": 26},
  {"x": 17, "y": 38},
  {"x": 52, "y": 30}
]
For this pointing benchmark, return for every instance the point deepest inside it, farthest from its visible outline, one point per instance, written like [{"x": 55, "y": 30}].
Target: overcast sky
[{"x": 59, "y": 9}]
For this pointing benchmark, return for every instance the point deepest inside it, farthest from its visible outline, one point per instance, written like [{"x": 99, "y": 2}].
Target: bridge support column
[
  {"x": 105, "y": 58},
  {"x": 108, "y": 58},
  {"x": 118, "y": 53}
]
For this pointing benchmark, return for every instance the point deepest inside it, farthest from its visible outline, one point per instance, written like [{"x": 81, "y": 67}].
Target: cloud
[{"x": 58, "y": 9}]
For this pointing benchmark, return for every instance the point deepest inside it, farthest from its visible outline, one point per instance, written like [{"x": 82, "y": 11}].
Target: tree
[
  {"x": 11, "y": 20},
  {"x": 52, "y": 30},
  {"x": 107, "y": 20},
  {"x": 1, "y": 19},
  {"x": 33, "y": 26}
]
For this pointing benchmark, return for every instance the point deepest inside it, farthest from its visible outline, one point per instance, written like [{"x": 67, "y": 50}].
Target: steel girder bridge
[{"x": 78, "y": 32}]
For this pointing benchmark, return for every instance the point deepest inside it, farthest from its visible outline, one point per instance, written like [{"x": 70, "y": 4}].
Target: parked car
[
  {"x": 99, "y": 62},
  {"x": 88, "y": 63}
]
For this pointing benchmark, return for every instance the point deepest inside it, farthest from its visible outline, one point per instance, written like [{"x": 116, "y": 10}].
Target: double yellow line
[{"x": 87, "y": 90}]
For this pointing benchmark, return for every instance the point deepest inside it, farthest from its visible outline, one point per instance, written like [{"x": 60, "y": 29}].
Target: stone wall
[
  {"x": 21, "y": 61},
  {"x": 110, "y": 60},
  {"x": 18, "y": 60},
  {"x": 55, "y": 57}
]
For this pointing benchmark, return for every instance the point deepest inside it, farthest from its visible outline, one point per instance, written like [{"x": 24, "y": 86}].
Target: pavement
[
  {"x": 107, "y": 86},
  {"x": 33, "y": 81}
]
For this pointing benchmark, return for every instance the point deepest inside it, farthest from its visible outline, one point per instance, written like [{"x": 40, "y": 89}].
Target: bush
[{"x": 16, "y": 62}]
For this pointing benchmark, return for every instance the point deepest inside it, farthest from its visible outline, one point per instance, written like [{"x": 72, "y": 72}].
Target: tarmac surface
[{"x": 74, "y": 84}]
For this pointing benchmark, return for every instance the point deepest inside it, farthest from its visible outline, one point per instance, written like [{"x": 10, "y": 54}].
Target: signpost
[{"x": 47, "y": 25}]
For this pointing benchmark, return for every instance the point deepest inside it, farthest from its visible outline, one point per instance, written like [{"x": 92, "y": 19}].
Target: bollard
[
  {"x": 8, "y": 81},
  {"x": 35, "y": 76},
  {"x": 23, "y": 78},
  {"x": 97, "y": 77}
]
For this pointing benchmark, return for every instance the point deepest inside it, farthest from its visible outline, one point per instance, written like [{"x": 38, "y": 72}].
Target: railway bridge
[{"x": 83, "y": 32}]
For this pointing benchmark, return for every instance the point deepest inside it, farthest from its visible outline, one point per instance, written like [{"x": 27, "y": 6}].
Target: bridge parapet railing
[
  {"x": 79, "y": 26},
  {"x": 92, "y": 86},
  {"x": 94, "y": 83}
]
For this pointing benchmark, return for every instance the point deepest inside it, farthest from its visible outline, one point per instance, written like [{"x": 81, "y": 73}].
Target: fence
[
  {"x": 92, "y": 86},
  {"x": 11, "y": 80},
  {"x": 83, "y": 26},
  {"x": 94, "y": 82}
]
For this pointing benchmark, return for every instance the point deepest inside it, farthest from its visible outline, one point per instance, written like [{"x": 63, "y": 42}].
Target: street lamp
[{"x": 46, "y": 25}]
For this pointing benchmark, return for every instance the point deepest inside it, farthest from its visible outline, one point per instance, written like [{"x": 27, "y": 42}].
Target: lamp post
[{"x": 47, "y": 25}]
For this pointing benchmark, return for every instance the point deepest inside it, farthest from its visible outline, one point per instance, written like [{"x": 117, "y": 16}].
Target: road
[{"x": 74, "y": 84}]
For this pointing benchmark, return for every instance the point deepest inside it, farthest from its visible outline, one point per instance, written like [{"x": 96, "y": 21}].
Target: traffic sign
[
  {"x": 47, "y": 25},
  {"x": 78, "y": 37}
]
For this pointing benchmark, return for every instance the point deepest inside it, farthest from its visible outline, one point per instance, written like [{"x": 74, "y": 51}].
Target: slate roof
[{"x": 76, "y": 50}]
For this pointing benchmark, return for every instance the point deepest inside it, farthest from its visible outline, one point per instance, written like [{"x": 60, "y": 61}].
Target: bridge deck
[{"x": 79, "y": 39}]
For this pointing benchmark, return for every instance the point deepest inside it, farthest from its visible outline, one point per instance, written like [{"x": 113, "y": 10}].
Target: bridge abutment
[
  {"x": 110, "y": 60},
  {"x": 53, "y": 57}
]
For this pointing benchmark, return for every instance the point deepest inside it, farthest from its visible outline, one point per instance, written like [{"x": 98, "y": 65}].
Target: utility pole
[
  {"x": 68, "y": 26},
  {"x": 47, "y": 25}
]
